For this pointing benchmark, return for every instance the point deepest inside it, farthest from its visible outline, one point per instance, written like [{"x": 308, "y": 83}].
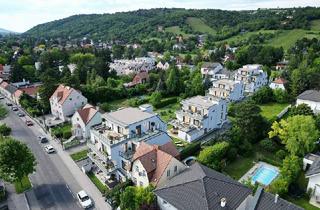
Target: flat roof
[{"x": 202, "y": 101}]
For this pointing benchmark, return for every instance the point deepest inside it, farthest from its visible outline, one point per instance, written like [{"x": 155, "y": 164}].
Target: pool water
[{"x": 264, "y": 175}]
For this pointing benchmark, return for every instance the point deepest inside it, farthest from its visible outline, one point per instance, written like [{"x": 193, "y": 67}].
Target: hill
[
  {"x": 6, "y": 32},
  {"x": 143, "y": 24}
]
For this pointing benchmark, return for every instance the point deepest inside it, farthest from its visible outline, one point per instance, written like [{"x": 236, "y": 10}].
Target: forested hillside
[{"x": 142, "y": 24}]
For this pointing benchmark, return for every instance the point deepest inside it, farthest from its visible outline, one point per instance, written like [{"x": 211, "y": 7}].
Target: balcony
[
  {"x": 106, "y": 167},
  {"x": 190, "y": 114},
  {"x": 102, "y": 154},
  {"x": 127, "y": 155}
]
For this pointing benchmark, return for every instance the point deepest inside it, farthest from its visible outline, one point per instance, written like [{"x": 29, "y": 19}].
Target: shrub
[
  {"x": 5, "y": 130},
  {"x": 281, "y": 96},
  {"x": 212, "y": 156},
  {"x": 268, "y": 145},
  {"x": 190, "y": 150},
  {"x": 263, "y": 95},
  {"x": 105, "y": 107},
  {"x": 281, "y": 154},
  {"x": 166, "y": 102},
  {"x": 155, "y": 98},
  {"x": 67, "y": 134},
  {"x": 232, "y": 154}
]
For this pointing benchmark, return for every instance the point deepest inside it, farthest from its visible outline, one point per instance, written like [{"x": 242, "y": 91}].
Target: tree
[
  {"x": 128, "y": 199},
  {"x": 212, "y": 155},
  {"x": 291, "y": 167},
  {"x": 197, "y": 86},
  {"x": 155, "y": 98},
  {"x": 281, "y": 96},
  {"x": 16, "y": 160},
  {"x": 5, "y": 130},
  {"x": 3, "y": 111},
  {"x": 173, "y": 82},
  {"x": 301, "y": 109},
  {"x": 299, "y": 134},
  {"x": 263, "y": 95},
  {"x": 133, "y": 198}
]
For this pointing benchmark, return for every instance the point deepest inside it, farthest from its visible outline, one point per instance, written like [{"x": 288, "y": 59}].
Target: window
[
  {"x": 175, "y": 169},
  {"x": 70, "y": 99},
  {"x": 137, "y": 168},
  {"x": 168, "y": 173},
  {"x": 141, "y": 184}
]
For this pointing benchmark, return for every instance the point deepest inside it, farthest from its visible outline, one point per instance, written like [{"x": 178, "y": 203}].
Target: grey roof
[
  {"x": 128, "y": 116},
  {"x": 310, "y": 95},
  {"x": 314, "y": 168},
  {"x": 210, "y": 65},
  {"x": 199, "y": 187},
  {"x": 11, "y": 89},
  {"x": 201, "y": 101},
  {"x": 227, "y": 72},
  {"x": 264, "y": 200}
]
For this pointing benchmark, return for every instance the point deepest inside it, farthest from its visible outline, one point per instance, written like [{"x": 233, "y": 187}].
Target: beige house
[{"x": 153, "y": 164}]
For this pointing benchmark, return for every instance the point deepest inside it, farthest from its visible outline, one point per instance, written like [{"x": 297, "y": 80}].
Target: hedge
[
  {"x": 166, "y": 102},
  {"x": 190, "y": 150}
]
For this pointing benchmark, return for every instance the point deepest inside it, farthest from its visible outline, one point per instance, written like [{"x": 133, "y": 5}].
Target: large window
[{"x": 168, "y": 173}]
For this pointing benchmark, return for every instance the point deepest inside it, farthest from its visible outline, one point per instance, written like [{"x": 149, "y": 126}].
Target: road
[{"x": 53, "y": 184}]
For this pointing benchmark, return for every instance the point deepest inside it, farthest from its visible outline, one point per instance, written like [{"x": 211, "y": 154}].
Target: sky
[{"x": 21, "y": 15}]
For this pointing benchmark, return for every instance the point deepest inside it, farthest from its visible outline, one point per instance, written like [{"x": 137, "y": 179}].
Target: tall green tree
[
  {"x": 16, "y": 160},
  {"x": 173, "y": 82},
  {"x": 298, "y": 133},
  {"x": 212, "y": 155}
]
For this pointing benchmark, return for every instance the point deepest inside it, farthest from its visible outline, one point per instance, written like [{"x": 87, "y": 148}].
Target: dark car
[
  {"x": 42, "y": 139},
  {"x": 20, "y": 114},
  {"x": 29, "y": 123},
  {"x": 14, "y": 108},
  {"x": 9, "y": 104},
  {"x": 1, "y": 97}
]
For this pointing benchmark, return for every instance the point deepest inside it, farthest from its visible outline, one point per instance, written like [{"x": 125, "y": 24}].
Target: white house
[
  {"x": 227, "y": 89},
  {"x": 153, "y": 164},
  {"x": 311, "y": 163},
  {"x": 114, "y": 142},
  {"x": 125, "y": 67},
  {"x": 83, "y": 119},
  {"x": 198, "y": 116},
  {"x": 65, "y": 101},
  {"x": 210, "y": 69},
  {"x": 163, "y": 66},
  {"x": 311, "y": 98},
  {"x": 252, "y": 76},
  {"x": 278, "y": 83},
  {"x": 72, "y": 67}
]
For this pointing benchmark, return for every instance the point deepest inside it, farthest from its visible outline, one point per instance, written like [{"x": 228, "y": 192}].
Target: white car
[
  {"x": 49, "y": 149},
  {"x": 84, "y": 199}
]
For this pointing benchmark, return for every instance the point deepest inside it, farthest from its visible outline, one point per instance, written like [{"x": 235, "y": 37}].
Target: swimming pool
[{"x": 264, "y": 175}]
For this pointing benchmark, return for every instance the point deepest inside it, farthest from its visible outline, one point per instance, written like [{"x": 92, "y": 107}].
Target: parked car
[
  {"x": 42, "y": 139},
  {"x": 84, "y": 199},
  {"x": 29, "y": 123},
  {"x": 14, "y": 108},
  {"x": 49, "y": 149},
  {"x": 20, "y": 114},
  {"x": 9, "y": 104}
]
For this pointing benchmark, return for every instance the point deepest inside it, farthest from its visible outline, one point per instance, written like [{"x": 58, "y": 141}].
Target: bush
[
  {"x": 166, "y": 102},
  {"x": 5, "y": 130},
  {"x": 190, "y": 150},
  {"x": 281, "y": 96},
  {"x": 212, "y": 156},
  {"x": 67, "y": 134},
  {"x": 281, "y": 154},
  {"x": 155, "y": 98},
  {"x": 232, "y": 154},
  {"x": 268, "y": 145},
  {"x": 263, "y": 95},
  {"x": 105, "y": 107}
]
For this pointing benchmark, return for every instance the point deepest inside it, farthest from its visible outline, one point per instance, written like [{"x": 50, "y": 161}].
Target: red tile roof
[
  {"x": 87, "y": 113},
  {"x": 4, "y": 84},
  {"x": 62, "y": 93},
  {"x": 18, "y": 94},
  {"x": 155, "y": 159},
  {"x": 30, "y": 90},
  {"x": 280, "y": 81}
]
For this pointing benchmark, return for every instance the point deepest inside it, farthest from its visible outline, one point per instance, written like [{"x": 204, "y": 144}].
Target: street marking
[{"x": 70, "y": 191}]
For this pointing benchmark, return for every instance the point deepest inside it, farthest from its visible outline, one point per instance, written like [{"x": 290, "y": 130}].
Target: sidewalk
[
  {"x": 16, "y": 201},
  {"x": 81, "y": 178}
]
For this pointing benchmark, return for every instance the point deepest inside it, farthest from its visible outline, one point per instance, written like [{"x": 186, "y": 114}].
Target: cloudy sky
[{"x": 21, "y": 15}]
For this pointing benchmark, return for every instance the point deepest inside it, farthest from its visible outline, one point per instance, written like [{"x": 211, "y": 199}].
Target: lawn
[
  {"x": 241, "y": 37},
  {"x": 177, "y": 30},
  {"x": 302, "y": 202},
  {"x": 315, "y": 25},
  {"x": 22, "y": 186},
  {"x": 167, "y": 113},
  {"x": 62, "y": 131},
  {"x": 239, "y": 167},
  {"x": 101, "y": 187},
  {"x": 79, "y": 155},
  {"x": 271, "y": 110},
  {"x": 198, "y": 25}
]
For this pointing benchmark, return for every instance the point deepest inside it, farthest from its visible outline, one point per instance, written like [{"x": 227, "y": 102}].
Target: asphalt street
[{"x": 54, "y": 186}]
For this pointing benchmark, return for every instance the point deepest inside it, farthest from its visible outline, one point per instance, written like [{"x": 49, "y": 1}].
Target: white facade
[
  {"x": 314, "y": 105},
  {"x": 274, "y": 85},
  {"x": 211, "y": 71},
  {"x": 162, "y": 66},
  {"x": 252, "y": 76},
  {"x": 81, "y": 129},
  {"x": 6, "y": 69},
  {"x": 65, "y": 104},
  {"x": 125, "y": 67},
  {"x": 72, "y": 67},
  {"x": 119, "y": 135},
  {"x": 227, "y": 89},
  {"x": 198, "y": 116}
]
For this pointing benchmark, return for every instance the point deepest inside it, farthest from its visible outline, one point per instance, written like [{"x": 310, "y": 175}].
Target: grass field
[
  {"x": 271, "y": 110},
  {"x": 22, "y": 186},
  {"x": 241, "y": 37},
  {"x": 315, "y": 25},
  {"x": 167, "y": 113},
  {"x": 198, "y": 25},
  {"x": 79, "y": 155},
  {"x": 177, "y": 30}
]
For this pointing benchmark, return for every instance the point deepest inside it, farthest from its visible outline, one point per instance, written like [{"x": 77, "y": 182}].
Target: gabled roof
[
  {"x": 155, "y": 159},
  {"x": 210, "y": 65},
  {"x": 280, "y": 81},
  {"x": 30, "y": 90},
  {"x": 314, "y": 168},
  {"x": 87, "y": 113},
  {"x": 62, "y": 92},
  {"x": 264, "y": 200},
  {"x": 199, "y": 187},
  {"x": 142, "y": 75},
  {"x": 310, "y": 95},
  {"x": 11, "y": 89}
]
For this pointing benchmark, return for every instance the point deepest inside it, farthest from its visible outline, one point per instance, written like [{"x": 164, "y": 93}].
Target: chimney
[
  {"x": 223, "y": 202},
  {"x": 276, "y": 198}
]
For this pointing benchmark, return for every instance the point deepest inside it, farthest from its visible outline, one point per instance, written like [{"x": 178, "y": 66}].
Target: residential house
[
  {"x": 125, "y": 67},
  {"x": 198, "y": 116},
  {"x": 83, "y": 120},
  {"x": 163, "y": 66},
  {"x": 154, "y": 164},
  {"x": 227, "y": 89},
  {"x": 7, "y": 89},
  {"x": 252, "y": 76},
  {"x": 282, "y": 65},
  {"x": 37, "y": 65},
  {"x": 5, "y": 72},
  {"x": 114, "y": 142},
  {"x": 311, "y": 98},
  {"x": 311, "y": 164},
  {"x": 72, "y": 67},
  {"x": 215, "y": 71},
  {"x": 140, "y": 78},
  {"x": 199, "y": 187},
  {"x": 31, "y": 89},
  {"x": 278, "y": 83},
  {"x": 65, "y": 101}
]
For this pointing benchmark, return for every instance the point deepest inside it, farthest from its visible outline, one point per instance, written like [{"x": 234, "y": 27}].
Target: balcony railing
[
  {"x": 103, "y": 155},
  {"x": 106, "y": 167},
  {"x": 194, "y": 115}
]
